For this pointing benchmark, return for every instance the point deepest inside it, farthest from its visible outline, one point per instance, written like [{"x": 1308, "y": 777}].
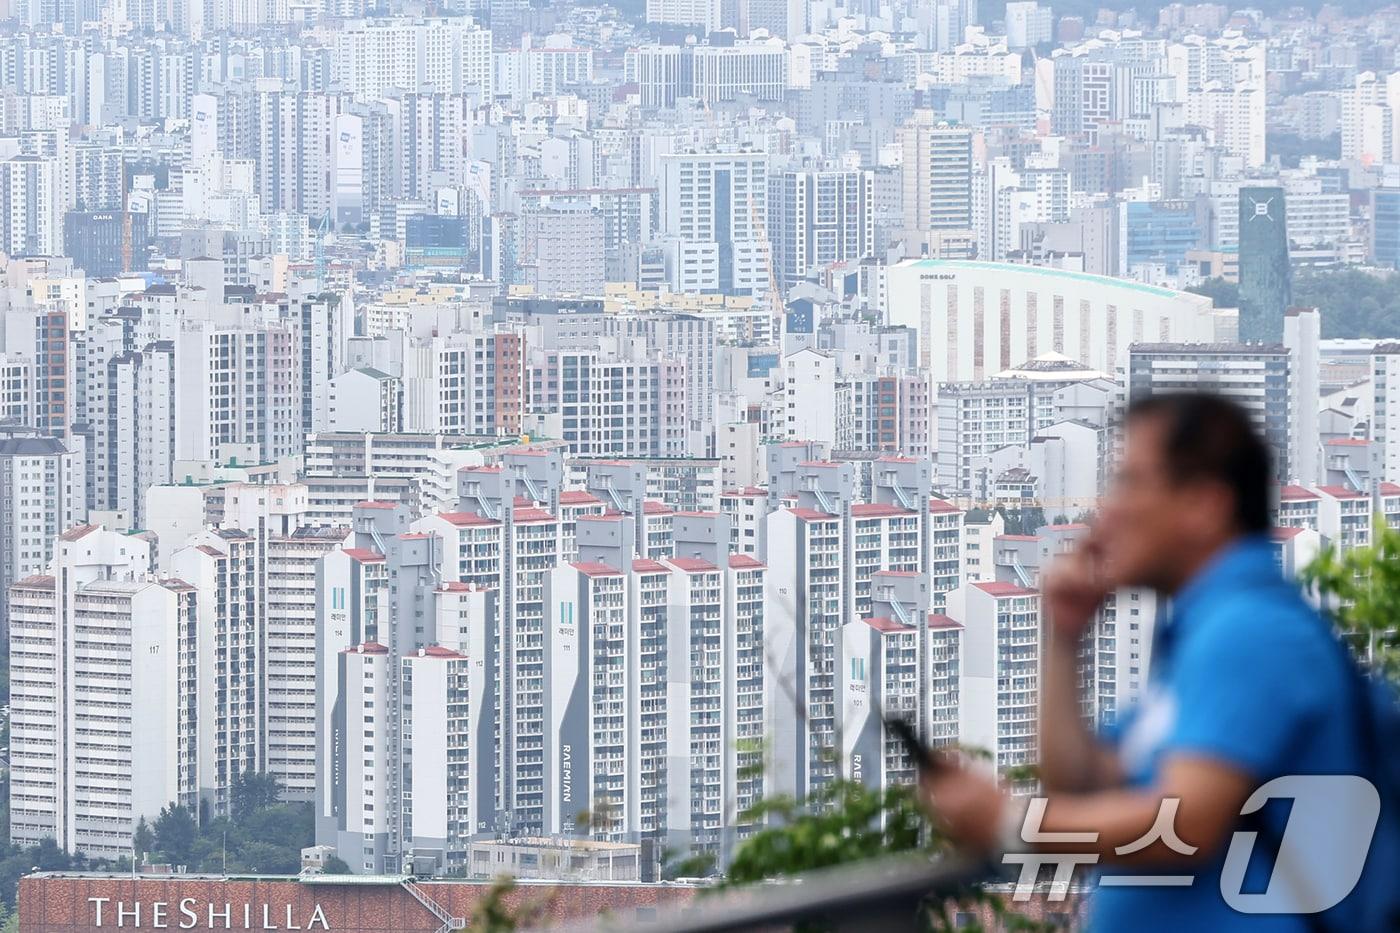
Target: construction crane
[{"x": 775, "y": 298}]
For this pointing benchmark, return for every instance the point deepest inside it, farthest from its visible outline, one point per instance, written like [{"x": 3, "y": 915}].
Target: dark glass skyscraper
[
  {"x": 95, "y": 241},
  {"x": 1385, "y": 227},
  {"x": 1266, "y": 283}
]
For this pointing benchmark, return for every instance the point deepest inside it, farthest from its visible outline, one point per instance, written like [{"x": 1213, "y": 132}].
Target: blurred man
[{"x": 1247, "y": 684}]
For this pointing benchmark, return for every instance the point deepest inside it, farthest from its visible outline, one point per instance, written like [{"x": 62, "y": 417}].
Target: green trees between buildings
[
  {"x": 262, "y": 836},
  {"x": 1361, "y": 590},
  {"x": 1353, "y": 303}
]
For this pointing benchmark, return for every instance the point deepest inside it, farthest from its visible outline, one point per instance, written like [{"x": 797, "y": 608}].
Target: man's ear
[{"x": 1209, "y": 510}]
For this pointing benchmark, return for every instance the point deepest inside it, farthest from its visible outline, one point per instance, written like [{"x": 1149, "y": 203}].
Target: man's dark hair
[{"x": 1212, "y": 438}]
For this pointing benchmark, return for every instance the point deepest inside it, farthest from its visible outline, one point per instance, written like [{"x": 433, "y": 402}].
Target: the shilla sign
[{"x": 192, "y": 913}]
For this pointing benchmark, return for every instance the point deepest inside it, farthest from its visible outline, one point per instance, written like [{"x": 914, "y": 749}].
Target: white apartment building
[
  {"x": 611, "y": 400},
  {"x": 712, "y": 73},
  {"x": 99, "y": 664},
  {"x": 290, "y": 686},
  {"x": 937, "y": 175},
  {"x": 689, "y": 337},
  {"x": 714, "y": 222},
  {"x": 898, "y": 660},
  {"x": 704, "y": 14},
  {"x": 475, "y": 548},
  {"x": 1385, "y": 406},
  {"x": 464, "y": 383},
  {"x": 544, "y": 70},
  {"x": 294, "y": 153},
  {"x": 886, "y": 539},
  {"x": 1344, "y": 517},
  {"x": 1297, "y": 507},
  {"x": 747, "y": 507},
  {"x": 1235, "y": 114},
  {"x": 16, "y": 390},
  {"x": 127, "y": 399},
  {"x": 361, "y": 784},
  {"x": 237, "y": 390},
  {"x": 804, "y": 611},
  {"x": 568, "y": 683},
  {"x": 427, "y": 131},
  {"x": 1028, "y": 24},
  {"x": 983, "y": 57},
  {"x": 1001, "y": 670},
  {"x": 353, "y": 586},
  {"x": 341, "y": 469},
  {"x": 31, "y": 206},
  {"x": 226, "y": 568},
  {"x": 944, "y": 541},
  {"x": 818, "y": 217},
  {"x": 365, "y": 400},
  {"x": 450, "y": 55},
  {"x": 974, "y": 420},
  {"x": 563, "y": 251},
  {"x": 439, "y": 754},
  {"x": 254, "y": 577},
  {"x": 588, "y": 708},
  {"x": 879, "y": 679},
  {"x": 810, "y": 397},
  {"x": 1371, "y": 118},
  {"x": 41, "y": 495}
]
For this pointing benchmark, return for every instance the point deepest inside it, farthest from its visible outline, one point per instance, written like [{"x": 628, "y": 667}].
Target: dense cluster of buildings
[{"x": 526, "y": 422}]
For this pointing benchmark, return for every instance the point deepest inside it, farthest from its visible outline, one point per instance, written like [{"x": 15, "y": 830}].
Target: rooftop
[
  {"x": 1341, "y": 492},
  {"x": 877, "y": 510},
  {"x": 466, "y": 519},
  {"x": 998, "y": 588},
  {"x": 1086, "y": 278},
  {"x": 595, "y": 569},
  {"x": 692, "y": 564}
]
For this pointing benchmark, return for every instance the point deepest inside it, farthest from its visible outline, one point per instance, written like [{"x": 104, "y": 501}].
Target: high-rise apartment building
[
  {"x": 238, "y": 392},
  {"x": 1258, "y": 377},
  {"x": 937, "y": 169},
  {"x": 611, "y": 400},
  {"x": 100, "y": 666},
  {"x": 714, "y": 221},
  {"x": 447, "y": 54},
  {"x": 31, "y": 206},
  {"x": 819, "y": 217},
  {"x": 702, "y": 14},
  {"x": 41, "y": 483},
  {"x": 254, "y": 580},
  {"x": 1000, "y": 670},
  {"x": 880, "y": 679}
]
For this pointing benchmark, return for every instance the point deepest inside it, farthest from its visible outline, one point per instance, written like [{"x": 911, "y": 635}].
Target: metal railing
[
  {"x": 449, "y": 922},
  {"x": 882, "y": 896}
]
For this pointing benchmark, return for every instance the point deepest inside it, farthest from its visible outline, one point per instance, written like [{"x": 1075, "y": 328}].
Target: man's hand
[
  {"x": 965, "y": 804},
  {"x": 973, "y": 812},
  {"x": 1073, "y": 589}
]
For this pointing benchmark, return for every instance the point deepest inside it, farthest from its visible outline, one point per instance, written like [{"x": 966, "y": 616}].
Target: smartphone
[{"x": 925, "y": 758}]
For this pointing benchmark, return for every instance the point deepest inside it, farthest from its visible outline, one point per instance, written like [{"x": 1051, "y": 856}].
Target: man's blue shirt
[{"x": 1246, "y": 672}]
